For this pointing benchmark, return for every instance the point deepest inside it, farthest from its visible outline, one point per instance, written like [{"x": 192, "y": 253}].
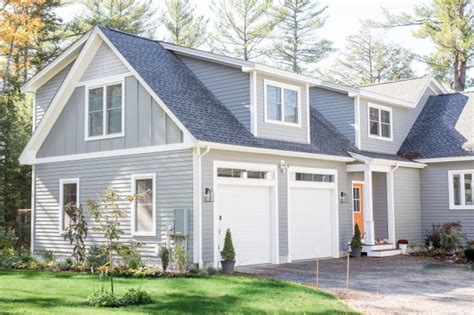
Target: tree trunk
[{"x": 460, "y": 78}]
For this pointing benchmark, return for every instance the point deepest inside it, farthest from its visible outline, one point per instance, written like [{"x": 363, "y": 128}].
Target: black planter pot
[
  {"x": 356, "y": 252},
  {"x": 227, "y": 266}
]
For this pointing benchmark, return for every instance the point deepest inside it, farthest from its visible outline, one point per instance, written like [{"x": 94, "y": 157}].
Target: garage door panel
[
  {"x": 310, "y": 219},
  {"x": 246, "y": 211}
]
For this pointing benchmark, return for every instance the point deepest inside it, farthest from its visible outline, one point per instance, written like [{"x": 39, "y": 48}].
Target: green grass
[{"x": 33, "y": 292}]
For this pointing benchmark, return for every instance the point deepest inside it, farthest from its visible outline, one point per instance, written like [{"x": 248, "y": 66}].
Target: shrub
[
  {"x": 444, "y": 236},
  {"x": 228, "y": 253},
  {"x": 212, "y": 271},
  {"x": 136, "y": 297},
  {"x": 165, "y": 257},
  {"x": 147, "y": 271},
  {"x": 103, "y": 298},
  {"x": 47, "y": 255},
  {"x": 180, "y": 256},
  {"x": 76, "y": 231},
  {"x": 7, "y": 238},
  {"x": 130, "y": 254},
  {"x": 469, "y": 254},
  {"x": 96, "y": 257},
  {"x": 356, "y": 241}
]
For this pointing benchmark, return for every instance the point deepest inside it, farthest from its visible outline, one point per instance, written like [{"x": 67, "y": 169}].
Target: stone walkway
[{"x": 389, "y": 285}]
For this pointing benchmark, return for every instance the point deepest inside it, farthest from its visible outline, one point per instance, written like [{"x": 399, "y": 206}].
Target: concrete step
[
  {"x": 369, "y": 248},
  {"x": 384, "y": 253}
]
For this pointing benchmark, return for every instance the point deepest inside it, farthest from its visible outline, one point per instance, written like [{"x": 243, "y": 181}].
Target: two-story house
[{"x": 288, "y": 162}]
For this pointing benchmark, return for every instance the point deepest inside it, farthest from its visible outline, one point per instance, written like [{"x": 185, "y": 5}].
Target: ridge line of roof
[{"x": 396, "y": 81}]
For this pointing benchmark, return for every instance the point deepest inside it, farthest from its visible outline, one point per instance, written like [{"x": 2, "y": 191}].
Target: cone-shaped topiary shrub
[
  {"x": 228, "y": 253},
  {"x": 356, "y": 239}
]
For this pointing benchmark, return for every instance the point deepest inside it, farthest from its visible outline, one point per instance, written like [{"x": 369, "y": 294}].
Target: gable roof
[{"x": 436, "y": 133}]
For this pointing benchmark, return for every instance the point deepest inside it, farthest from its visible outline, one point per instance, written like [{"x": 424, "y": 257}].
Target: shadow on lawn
[{"x": 32, "y": 302}]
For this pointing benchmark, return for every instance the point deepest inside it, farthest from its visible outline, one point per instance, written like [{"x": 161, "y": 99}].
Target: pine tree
[
  {"x": 228, "y": 253},
  {"x": 185, "y": 27},
  {"x": 242, "y": 25},
  {"x": 297, "y": 47},
  {"x": 368, "y": 59}
]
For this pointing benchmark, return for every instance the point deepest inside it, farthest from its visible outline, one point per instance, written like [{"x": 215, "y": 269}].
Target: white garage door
[
  {"x": 310, "y": 223},
  {"x": 246, "y": 211}
]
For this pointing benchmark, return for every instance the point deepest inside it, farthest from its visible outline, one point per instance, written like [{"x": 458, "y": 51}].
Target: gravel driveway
[{"x": 390, "y": 285}]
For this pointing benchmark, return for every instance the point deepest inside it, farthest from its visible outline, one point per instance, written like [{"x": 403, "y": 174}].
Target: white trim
[
  {"x": 238, "y": 148},
  {"x": 379, "y": 108},
  {"x": 386, "y": 162},
  {"x": 104, "y": 83},
  {"x": 114, "y": 153},
  {"x": 33, "y": 114},
  {"x": 253, "y": 103},
  {"x": 133, "y": 180},
  {"x": 105, "y": 80},
  {"x": 197, "y": 200},
  {"x": 62, "y": 182},
  {"x": 315, "y": 185},
  {"x": 283, "y": 87},
  {"x": 357, "y": 131},
  {"x": 33, "y": 211},
  {"x": 382, "y": 98},
  {"x": 461, "y": 174},
  {"x": 308, "y": 115},
  {"x": 446, "y": 159},
  {"x": 391, "y": 206},
  {"x": 355, "y": 182},
  {"x": 273, "y": 183}
]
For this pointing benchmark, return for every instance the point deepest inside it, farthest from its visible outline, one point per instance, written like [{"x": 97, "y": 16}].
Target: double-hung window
[
  {"x": 68, "y": 197},
  {"x": 282, "y": 103},
  {"x": 144, "y": 207},
  {"x": 380, "y": 122},
  {"x": 105, "y": 111},
  {"x": 461, "y": 190}
]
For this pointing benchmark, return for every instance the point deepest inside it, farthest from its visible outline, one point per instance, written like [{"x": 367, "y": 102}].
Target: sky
[{"x": 344, "y": 19}]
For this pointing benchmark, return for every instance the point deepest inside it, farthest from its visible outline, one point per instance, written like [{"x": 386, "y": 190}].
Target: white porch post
[
  {"x": 369, "y": 238},
  {"x": 391, "y": 206}
]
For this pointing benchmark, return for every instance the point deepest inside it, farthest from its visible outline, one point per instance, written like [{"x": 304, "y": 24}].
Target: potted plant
[
  {"x": 356, "y": 243},
  {"x": 228, "y": 254},
  {"x": 403, "y": 245}
]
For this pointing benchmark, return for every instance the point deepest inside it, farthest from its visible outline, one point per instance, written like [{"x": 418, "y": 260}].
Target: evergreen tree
[
  {"x": 185, "y": 27},
  {"x": 368, "y": 59},
  {"x": 242, "y": 25},
  {"x": 450, "y": 26},
  {"x": 297, "y": 46},
  {"x": 132, "y": 16}
]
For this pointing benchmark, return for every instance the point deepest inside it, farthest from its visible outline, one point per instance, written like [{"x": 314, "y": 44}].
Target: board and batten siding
[
  {"x": 277, "y": 131},
  {"x": 45, "y": 94},
  {"x": 380, "y": 205},
  {"x": 104, "y": 64},
  {"x": 435, "y": 197},
  {"x": 229, "y": 85},
  {"x": 174, "y": 190},
  {"x": 146, "y": 124},
  {"x": 336, "y": 107},
  {"x": 344, "y": 184},
  {"x": 402, "y": 121},
  {"x": 407, "y": 202}
]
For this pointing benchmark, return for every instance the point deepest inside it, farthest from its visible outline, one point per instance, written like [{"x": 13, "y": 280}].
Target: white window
[
  {"x": 104, "y": 111},
  {"x": 144, "y": 209},
  {"x": 282, "y": 103},
  {"x": 380, "y": 122},
  {"x": 461, "y": 190},
  {"x": 68, "y": 195},
  {"x": 309, "y": 177},
  {"x": 243, "y": 173}
]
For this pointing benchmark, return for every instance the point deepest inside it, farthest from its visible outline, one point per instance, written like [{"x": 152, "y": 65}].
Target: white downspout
[
  {"x": 199, "y": 215},
  {"x": 391, "y": 205}
]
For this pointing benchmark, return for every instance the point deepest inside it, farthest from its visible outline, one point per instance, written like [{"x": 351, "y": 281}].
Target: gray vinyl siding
[
  {"x": 380, "y": 205},
  {"x": 146, "y": 124},
  {"x": 407, "y": 194},
  {"x": 336, "y": 107},
  {"x": 46, "y": 93},
  {"x": 435, "y": 197},
  {"x": 402, "y": 119},
  {"x": 344, "y": 184},
  {"x": 174, "y": 190},
  {"x": 105, "y": 63},
  {"x": 276, "y": 131},
  {"x": 230, "y": 85}
]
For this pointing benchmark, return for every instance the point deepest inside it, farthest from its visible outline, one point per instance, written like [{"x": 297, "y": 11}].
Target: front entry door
[{"x": 358, "y": 205}]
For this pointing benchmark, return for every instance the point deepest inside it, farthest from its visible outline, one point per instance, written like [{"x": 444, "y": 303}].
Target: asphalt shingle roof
[
  {"x": 408, "y": 90},
  {"x": 201, "y": 112},
  {"x": 437, "y": 133}
]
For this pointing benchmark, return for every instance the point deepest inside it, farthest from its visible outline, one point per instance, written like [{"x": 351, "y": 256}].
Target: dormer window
[
  {"x": 380, "y": 122},
  {"x": 282, "y": 103},
  {"x": 104, "y": 109}
]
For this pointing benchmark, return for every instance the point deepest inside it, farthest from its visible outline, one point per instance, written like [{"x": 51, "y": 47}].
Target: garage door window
[
  {"x": 308, "y": 177},
  {"x": 242, "y": 173}
]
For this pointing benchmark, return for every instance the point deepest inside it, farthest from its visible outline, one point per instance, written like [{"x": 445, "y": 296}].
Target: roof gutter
[{"x": 369, "y": 160}]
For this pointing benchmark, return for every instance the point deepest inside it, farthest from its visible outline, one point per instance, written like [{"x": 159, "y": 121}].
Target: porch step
[
  {"x": 369, "y": 248},
  {"x": 384, "y": 253}
]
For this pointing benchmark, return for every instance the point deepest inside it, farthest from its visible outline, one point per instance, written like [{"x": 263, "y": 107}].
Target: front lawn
[{"x": 61, "y": 293}]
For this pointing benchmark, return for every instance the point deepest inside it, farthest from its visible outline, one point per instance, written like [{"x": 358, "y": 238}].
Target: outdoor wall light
[
  {"x": 208, "y": 195},
  {"x": 343, "y": 197},
  {"x": 284, "y": 166}
]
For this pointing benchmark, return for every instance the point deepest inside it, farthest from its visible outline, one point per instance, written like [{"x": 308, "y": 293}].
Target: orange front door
[{"x": 358, "y": 205}]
